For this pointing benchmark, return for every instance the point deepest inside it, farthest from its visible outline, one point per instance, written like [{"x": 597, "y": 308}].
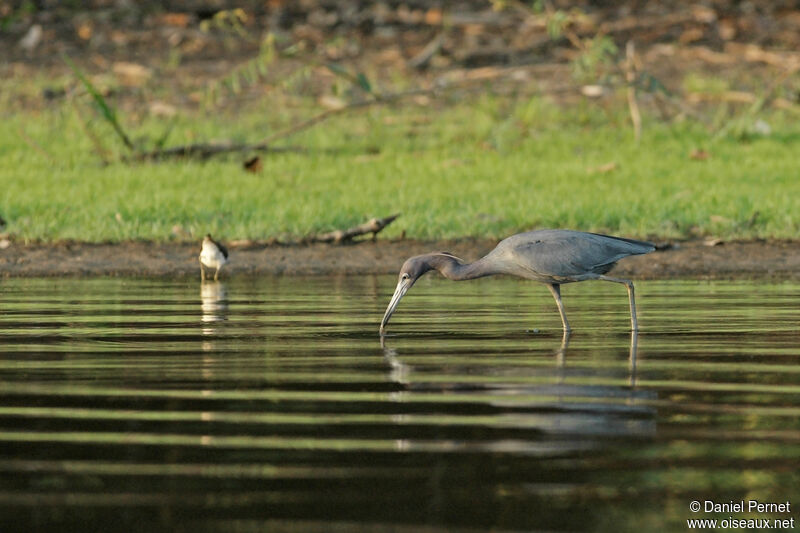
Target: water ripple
[{"x": 272, "y": 405}]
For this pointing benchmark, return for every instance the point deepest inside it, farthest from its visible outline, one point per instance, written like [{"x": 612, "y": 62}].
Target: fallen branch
[
  {"x": 741, "y": 97},
  {"x": 684, "y": 108},
  {"x": 373, "y": 226},
  {"x": 316, "y": 119},
  {"x": 422, "y": 59},
  {"x": 752, "y": 52},
  {"x": 206, "y": 150}
]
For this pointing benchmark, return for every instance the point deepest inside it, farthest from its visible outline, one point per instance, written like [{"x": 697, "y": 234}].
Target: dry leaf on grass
[
  {"x": 253, "y": 164},
  {"x": 603, "y": 169},
  {"x": 131, "y": 74}
]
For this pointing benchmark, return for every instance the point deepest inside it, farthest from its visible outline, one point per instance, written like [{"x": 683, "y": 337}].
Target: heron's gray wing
[{"x": 563, "y": 253}]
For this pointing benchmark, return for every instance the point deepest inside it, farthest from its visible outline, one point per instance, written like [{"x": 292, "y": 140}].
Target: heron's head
[{"x": 412, "y": 270}]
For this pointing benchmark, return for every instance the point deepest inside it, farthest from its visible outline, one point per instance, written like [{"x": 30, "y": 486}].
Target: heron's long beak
[{"x": 402, "y": 287}]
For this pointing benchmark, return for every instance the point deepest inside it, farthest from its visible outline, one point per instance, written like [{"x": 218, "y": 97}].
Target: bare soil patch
[{"x": 693, "y": 259}]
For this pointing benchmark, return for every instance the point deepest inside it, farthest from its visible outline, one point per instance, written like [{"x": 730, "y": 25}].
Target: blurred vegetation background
[{"x": 279, "y": 119}]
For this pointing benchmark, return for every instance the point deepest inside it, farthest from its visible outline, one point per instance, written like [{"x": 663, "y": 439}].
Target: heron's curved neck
[{"x": 452, "y": 268}]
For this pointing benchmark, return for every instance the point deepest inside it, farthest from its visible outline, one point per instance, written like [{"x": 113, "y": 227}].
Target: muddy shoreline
[{"x": 691, "y": 259}]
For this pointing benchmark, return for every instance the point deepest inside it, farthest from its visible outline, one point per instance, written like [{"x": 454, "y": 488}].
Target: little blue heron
[
  {"x": 551, "y": 256},
  {"x": 212, "y": 255}
]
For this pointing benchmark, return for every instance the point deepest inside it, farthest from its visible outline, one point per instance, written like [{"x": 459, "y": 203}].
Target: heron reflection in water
[{"x": 581, "y": 404}]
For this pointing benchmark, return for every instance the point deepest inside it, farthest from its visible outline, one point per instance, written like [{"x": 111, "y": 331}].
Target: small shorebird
[{"x": 213, "y": 255}]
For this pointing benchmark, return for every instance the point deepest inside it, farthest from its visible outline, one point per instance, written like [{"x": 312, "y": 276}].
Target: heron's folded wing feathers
[{"x": 565, "y": 254}]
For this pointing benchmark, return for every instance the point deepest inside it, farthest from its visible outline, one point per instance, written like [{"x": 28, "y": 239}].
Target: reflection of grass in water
[
  {"x": 268, "y": 418},
  {"x": 205, "y": 470},
  {"x": 486, "y": 167},
  {"x": 583, "y": 393},
  {"x": 727, "y": 417},
  {"x": 208, "y": 441}
]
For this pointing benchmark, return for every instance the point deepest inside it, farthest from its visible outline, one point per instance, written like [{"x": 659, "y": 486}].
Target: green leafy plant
[
  {"x": 106, "y": 110},
  {"x": 246, "y": 75},
  {"x": 359, "y": 79},
  {"x": 596, "y": 60},
  {"x": 230, "y": 21}
]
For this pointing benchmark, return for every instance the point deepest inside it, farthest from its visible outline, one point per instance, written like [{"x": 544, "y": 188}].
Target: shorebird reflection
[{"x": 213, "y": 304}]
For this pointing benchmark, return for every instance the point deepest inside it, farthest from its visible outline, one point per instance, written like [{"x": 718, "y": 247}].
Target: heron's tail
[{"x": 634, "y": 247}]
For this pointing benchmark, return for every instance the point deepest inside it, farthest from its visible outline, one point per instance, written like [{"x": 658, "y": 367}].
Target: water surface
[{"x": 271, "y": 404}]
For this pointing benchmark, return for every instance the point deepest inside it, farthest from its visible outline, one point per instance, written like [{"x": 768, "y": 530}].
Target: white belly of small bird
[{"x": 212, "y": 257}]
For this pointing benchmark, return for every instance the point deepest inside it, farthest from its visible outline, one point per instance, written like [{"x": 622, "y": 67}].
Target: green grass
[{"x": 490, "y": 166}]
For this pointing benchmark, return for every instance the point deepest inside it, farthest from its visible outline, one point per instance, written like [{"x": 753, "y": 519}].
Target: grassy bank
[{"x": 488, "y": 166}]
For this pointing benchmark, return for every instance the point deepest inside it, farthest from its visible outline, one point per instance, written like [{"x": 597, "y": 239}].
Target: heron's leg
[
  {"x": 555, "y": 289},
  {"x": 629, "y": 284},
  {"x": 202, "y": 272},
  {"x": 216, "y": 274},
  {"x": 632, "y": 357},
  {"x": 562, "y": 350}
]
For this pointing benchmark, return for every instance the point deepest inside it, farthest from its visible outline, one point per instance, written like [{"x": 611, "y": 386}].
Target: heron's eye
[{"x": 405, "y": 276}]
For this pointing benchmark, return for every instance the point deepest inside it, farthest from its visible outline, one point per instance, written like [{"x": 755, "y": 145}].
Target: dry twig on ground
[{"x": 374, "y": 226}]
